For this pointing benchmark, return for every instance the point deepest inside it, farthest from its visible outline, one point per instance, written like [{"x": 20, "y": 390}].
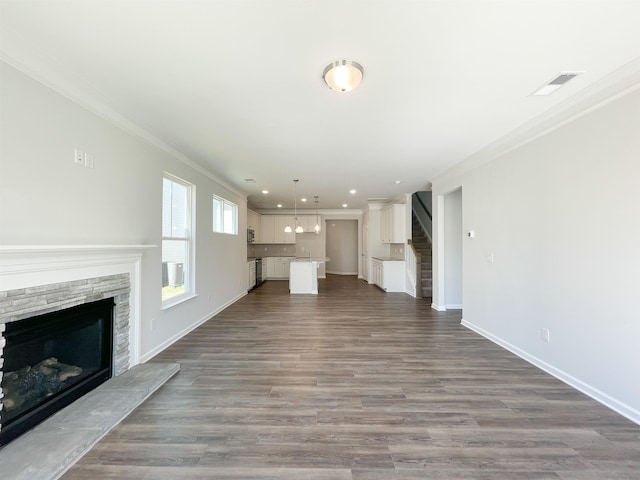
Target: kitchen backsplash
[
  {"x": 271, "y": 250},
  {"x": 396, "y": 251}
]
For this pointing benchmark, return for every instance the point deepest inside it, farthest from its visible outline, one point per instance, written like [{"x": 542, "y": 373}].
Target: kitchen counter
[
  {"x": 312, "y": 259},
  {"x": 388, "y": 259}
]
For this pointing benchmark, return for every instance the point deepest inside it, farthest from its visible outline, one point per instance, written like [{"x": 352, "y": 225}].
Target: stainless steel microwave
[{"x": 251, "y": 235}]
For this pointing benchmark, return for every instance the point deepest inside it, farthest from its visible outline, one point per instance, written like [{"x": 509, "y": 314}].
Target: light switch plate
[{"x": 78, "y": 158}]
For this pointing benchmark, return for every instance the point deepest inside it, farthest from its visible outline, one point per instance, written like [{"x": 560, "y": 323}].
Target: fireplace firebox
[{"x": 51, "y": 360}]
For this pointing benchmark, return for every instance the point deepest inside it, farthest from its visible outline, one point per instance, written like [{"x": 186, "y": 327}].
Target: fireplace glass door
[{"x": 51, "y": 360}]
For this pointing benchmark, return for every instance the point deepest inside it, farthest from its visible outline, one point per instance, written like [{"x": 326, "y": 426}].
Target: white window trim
[
  {"x": 235, "y": 219},
  {"x": 189, "y": 278}
]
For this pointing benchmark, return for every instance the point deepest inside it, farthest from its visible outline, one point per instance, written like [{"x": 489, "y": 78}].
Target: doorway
[
  {"x": 342, "y": 247},
  {"x": 453, "y": 249}
]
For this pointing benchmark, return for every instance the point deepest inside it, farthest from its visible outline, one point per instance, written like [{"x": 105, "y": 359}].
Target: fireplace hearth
[{"x": 51, "y": 360}]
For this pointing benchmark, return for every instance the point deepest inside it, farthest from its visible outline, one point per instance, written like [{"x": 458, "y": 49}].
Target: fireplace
[
  {"x": 36, "y": 280},
  {"x": 51, "y": 360}
]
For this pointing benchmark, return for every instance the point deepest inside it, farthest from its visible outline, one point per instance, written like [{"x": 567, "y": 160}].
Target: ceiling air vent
[{"x": 561, "y": 79}]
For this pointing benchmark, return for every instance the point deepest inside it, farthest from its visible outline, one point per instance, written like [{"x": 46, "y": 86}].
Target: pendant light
[
  {"x": 317, "y": 227},
  {"x": 298, "y": 227}
]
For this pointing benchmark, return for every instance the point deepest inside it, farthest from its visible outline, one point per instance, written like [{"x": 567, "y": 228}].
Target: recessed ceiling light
[
  {"x": 279, "y": 205},
  {"x": 561, "y": 79},
  {"x": 397, "y": 182},
  {"x": 265, "y": 192},
  {"x": 303, "y": 199},
  {"x": 344, "y": 205},
  {"x": 249, "y": 180},
  {"x": 352, "y": 191}
]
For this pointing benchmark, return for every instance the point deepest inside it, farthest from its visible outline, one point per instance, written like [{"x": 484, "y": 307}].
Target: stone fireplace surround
[
  {"x": 41, "y": 279},
  {"x": 23, "y": 303},
  {"x": 38, "y": 279}
]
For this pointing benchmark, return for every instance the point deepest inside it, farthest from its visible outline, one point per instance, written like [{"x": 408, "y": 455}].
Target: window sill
[{"x": 169, "y": 304}]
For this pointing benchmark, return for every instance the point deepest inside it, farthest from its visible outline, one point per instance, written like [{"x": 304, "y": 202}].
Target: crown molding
[
  {"x": 610, "y": 88},
  {"x": 58, "y": 84}
]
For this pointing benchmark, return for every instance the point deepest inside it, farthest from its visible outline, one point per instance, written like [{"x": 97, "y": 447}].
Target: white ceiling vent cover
[{"x": 561, "y": 79}]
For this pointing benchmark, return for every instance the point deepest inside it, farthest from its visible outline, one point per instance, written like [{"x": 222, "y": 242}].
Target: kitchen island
[{"x": 303, "y": 275}]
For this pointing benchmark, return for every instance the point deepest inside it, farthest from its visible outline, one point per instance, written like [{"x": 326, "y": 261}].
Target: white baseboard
[
  {"x": 454, "y": 306},
  {"x": 608, "y": 401},
  {"x": 439, "y": 308},
  {"x": 342, "y": 273},
  {"x": 170, "y": 341}
]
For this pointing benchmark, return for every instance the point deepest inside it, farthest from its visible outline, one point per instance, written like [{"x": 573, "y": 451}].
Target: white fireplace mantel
[{"x": 24, "y": 266}]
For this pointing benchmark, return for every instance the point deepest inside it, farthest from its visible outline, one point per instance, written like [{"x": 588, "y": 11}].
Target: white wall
[
  {"x": 315, "y": 243},
  {"x": 342, "y": 246},
  {"x": 561, "y": 215},
  {"x": 453, "y": 249},
  {"x": 46, "y": 199}
]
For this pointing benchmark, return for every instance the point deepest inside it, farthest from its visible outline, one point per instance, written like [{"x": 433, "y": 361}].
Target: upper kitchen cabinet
[
  {"x": 308, "y": 222},
  {"x": 254, "y": 222},
  {"x": 273, "y": 229},
  {"x": 392, "y": 224}
]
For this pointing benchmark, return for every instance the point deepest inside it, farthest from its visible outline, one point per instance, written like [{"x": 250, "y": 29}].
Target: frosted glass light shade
[
  {"x": 299, "y": 229},
  {"x": 287, "y": 229},
  {"x": 343, "y": 75}
]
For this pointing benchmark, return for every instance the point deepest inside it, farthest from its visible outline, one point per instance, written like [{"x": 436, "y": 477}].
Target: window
[
  {"x": 225, "y": 216},
  {"x": 177, "y": 197}
]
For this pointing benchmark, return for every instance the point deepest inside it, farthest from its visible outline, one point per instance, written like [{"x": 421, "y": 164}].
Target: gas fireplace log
[{"x": 29, "y": 385}]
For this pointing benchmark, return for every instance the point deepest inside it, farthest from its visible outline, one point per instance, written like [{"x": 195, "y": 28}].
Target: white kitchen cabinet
[
  {"x": 303, "y": 277},
  {"x": 278, "y": 267},
  {"x": 308, "y": 223},
  {"x": 254, "y": 222},
  {"x": 388, "y": 274},
  {"x": 392, "y": 224},
  {"x": 267, "y": 229},
  {"x": 280, "y": 235},
  {"x": 269, "y": 267},
  {"x": 282, "y": 267},
  {"x": 273, "y": 229},
  {"x": 365, "y": 268},
  {"x": 251, "y": 274}
]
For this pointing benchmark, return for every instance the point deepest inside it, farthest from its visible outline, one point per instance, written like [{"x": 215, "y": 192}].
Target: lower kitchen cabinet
[
  {"x": 278, "y": 267},
  {"x": 388, "y": 274},
  {"x": 251, "y": 274}
]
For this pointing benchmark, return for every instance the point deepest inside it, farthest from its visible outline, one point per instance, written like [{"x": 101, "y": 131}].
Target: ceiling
[{"x": 235, "y": 86}]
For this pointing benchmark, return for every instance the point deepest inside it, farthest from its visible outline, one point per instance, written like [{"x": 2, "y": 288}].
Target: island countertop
[{"x": 312, "y": 259}]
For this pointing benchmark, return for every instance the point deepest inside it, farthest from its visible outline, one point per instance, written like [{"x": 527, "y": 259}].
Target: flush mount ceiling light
[{"x": 343, "y": 75}]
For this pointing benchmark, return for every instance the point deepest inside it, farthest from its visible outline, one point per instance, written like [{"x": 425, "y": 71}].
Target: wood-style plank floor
[{"x": 358, "y": 384}]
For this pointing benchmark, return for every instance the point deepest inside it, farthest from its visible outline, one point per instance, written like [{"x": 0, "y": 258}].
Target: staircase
[{"x": 422, "y": 245}]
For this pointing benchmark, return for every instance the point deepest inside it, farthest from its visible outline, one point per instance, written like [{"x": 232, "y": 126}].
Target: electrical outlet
[
  {"x": 88, "y": 160},
  {"x": 78, "y": 157},
  {"x": 544, "y": 334}
]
